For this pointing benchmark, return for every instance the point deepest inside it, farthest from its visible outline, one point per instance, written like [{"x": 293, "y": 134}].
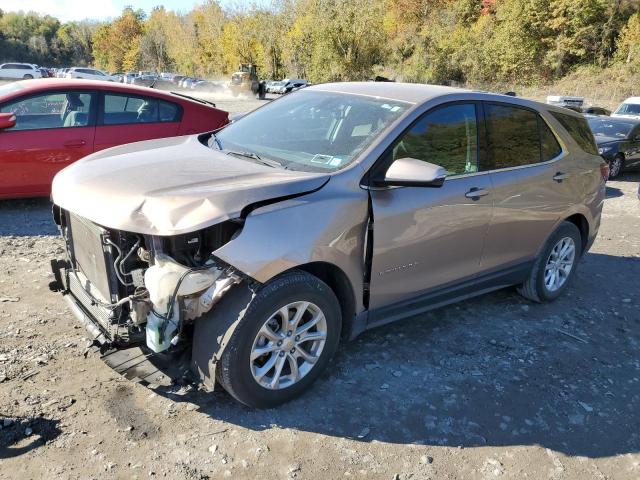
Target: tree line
[{"x": 435, "y": 41}]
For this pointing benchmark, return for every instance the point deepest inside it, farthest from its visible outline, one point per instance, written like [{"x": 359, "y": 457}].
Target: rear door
[
  {"x": 426, "y": 237},
  {"x": 126, "y": 118},
  {"x": 53, "y": 129},
  {"x": 532, "y": 184}
]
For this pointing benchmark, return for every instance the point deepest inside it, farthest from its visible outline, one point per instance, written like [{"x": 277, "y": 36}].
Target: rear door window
[
  {"x": 513, "y": 137},
  {"x": 579, "y": 130},
  {"x": 550, "y": 146},
  {"x": 124, "y": 109}
]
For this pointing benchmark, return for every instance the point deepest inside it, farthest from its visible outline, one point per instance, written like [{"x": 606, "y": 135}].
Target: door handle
[
  {"x": 75, "y": 143},
  {"x": 560, "y": 176},
  {"x": 475, "y": 193}
]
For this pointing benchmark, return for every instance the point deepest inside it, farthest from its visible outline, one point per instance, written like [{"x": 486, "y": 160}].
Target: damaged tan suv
[{"x": 327, "y": 212}]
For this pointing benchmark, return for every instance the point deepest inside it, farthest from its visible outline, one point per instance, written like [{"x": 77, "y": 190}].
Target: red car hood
[{"x": 170, "y": 186}]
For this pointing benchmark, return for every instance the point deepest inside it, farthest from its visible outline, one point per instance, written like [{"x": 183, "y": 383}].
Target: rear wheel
[
  {"x": 556, "y": 265},
  {"x": 283, "y": 342},
  {"x": 616, "y": 166}
]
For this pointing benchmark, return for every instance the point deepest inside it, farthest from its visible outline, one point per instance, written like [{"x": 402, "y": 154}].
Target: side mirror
[
  {"x": 410, "y": 172},
  {"x": 7, "y": 120}
]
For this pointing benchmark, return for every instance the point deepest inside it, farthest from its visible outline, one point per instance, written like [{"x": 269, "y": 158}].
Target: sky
[{"x": 66, "y": 10}]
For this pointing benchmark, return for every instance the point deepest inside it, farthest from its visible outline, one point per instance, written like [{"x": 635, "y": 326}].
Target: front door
[
  {"x": 52, "y": 131},
  {"x": 428, "y": 237}
]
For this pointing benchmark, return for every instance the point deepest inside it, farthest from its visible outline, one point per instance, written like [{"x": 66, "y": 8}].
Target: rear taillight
[{"x": 604, "y": 171}]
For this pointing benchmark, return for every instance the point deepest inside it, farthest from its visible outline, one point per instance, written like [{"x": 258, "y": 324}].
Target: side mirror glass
[
  {"x": 411, "y": 172},
  {"x": 7, "y": 120}
]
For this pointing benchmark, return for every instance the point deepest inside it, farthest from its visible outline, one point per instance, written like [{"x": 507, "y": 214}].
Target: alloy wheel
[
  {"x": 288, "y": 345},
  {"x": 559, "y": 264},
  {"x": 615, "y": 167}
]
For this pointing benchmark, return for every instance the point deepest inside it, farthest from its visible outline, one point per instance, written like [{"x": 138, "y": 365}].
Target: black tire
[
  {"x": 234, "y": 371},
  {"x": 28, "y": 77},
  {"x": 534, "y": 287},
  {"x": 616, "y": 166}
]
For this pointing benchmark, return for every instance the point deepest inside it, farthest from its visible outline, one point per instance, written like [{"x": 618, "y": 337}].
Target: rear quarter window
[
  {"x": 169, "y": 112},
  {"x": 579, "y": 130}
]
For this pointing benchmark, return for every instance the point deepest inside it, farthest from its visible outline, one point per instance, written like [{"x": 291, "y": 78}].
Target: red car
[{"x": 47, "y": 124}]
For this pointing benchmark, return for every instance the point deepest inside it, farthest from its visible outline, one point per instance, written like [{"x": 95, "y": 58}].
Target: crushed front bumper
[
  {"x": 79, "y": 302},
  {"x": 135, "y": 362}
]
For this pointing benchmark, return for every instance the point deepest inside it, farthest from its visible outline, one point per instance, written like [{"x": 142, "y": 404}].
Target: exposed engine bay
[{"x": 132, "y": 288}]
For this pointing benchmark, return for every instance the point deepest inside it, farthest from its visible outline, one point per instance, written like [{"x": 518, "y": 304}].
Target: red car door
[
  {"x": 126, "y": 118},
  {"x": 53, "y": 130}
]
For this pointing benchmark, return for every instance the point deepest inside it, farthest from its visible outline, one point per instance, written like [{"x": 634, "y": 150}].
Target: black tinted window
[
  {"x": 447, "y": 137},
  {"x": 550, "y": 146},
  {"x": 513, "y": 137},
  {"x": 579, "y": 130},
  {"x": 169, "y": 112},
  {"x": 122, "y": 109}
]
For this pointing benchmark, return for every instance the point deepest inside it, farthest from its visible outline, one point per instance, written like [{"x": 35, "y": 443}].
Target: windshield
[
  {"x": 607, "y": 128},
  {"x": 629, "y": 109},
  {"x": 9, "y": 88},
  {"x": 311, "y": 131}
]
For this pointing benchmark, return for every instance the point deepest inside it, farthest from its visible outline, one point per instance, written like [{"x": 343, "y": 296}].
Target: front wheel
[
  {"x": 28, "y": 77},
  {"x": 283, "y": 342},
  {"x": 556, "y": 265}
]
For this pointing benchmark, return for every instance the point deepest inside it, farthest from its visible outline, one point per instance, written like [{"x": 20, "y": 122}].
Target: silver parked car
[{"x": 325, "y": 213}]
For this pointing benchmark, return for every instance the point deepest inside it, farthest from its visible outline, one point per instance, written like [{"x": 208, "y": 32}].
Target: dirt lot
[{"x": 495, "y": 387}]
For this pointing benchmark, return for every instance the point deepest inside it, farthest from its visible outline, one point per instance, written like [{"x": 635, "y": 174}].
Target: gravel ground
[{"x": 494, "y": 387}]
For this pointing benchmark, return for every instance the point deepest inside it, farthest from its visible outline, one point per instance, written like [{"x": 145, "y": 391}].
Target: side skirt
[{"x": 448, "y": 294}]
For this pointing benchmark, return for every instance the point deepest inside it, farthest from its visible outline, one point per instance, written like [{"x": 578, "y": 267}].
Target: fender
[
  {"x": 328, "y": 226},
  {"x": 213, "y": 331}
]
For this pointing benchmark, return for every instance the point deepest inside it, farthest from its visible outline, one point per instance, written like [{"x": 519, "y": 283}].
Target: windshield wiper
[{"x": 256, "y": 157}]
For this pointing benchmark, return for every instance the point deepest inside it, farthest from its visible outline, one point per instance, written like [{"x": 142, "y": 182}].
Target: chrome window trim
[{"x": 517, "y": 167}]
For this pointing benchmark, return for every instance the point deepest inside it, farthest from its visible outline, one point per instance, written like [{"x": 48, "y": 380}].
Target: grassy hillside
[{"x": 605, "y": 87}]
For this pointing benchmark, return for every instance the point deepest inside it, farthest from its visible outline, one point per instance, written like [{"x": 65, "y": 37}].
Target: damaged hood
[{"x": 171, "y": 186}]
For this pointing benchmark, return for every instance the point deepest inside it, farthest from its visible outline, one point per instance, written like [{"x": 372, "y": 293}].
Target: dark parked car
[
  {"x": 589, "y": 111},
  {"x": 618, "y": 142},
  {"x": 596, "y": 111}
]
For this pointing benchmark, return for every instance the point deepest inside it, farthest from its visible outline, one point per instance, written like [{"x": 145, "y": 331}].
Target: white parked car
[
  {"x": 89, "y": 74},
  {"x": 22, "y": 71},
  {"x": 129, "y": 77},
  {"x": 565, "y": 101},
  {"x": 273, "y": 86},
  {"x": 290, "y": 84},
  {"x": 630, "y": 108}
]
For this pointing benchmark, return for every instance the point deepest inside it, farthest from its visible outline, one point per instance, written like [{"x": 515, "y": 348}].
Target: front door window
[{"x": 50, "y": 110}]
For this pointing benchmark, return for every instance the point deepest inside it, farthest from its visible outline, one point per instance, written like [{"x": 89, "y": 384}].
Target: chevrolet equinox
[{"x": 255, "y": 249}]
